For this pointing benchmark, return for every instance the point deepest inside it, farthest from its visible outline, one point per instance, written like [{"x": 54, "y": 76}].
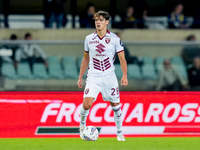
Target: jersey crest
[{"x": 107, "y": 40}]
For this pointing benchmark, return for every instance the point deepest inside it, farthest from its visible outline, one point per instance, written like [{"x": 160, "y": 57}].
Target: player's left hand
[{"x": 124, "y": 81}]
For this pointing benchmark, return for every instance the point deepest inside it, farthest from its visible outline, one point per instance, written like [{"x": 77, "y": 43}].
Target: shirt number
[{"x": 115, "y": 91}]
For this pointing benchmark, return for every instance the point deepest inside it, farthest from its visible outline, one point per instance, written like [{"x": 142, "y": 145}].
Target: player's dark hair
[{"x": 104, "y": 14}]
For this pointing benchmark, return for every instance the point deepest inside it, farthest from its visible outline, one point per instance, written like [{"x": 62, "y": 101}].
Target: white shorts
[{"x": 107, "y": 85}]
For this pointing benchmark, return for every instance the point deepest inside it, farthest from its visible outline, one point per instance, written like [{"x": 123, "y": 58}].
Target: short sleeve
[
  {"x": 119, "y": 45},
  {"x": 86, "y": 48}
]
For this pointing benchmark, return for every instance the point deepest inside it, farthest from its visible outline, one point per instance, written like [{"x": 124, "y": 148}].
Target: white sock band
[
  {"x": 83, "y": 114},
  {"x": 117, "y": 117}
]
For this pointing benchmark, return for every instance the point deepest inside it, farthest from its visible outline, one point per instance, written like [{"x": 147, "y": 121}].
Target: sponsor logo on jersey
[
  {"x": 100, "y": 48},
  {"x": 100, "y": 55},
  {"x": 93, "y": 42},
  {"x": 107, "y": 40}
]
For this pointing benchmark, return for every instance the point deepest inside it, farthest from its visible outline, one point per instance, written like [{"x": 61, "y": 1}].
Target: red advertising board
[{"x": 56, "y": 114}]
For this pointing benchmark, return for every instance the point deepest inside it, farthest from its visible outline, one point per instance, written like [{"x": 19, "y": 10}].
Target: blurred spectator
[
  {"x": 194, "y": 75},
  {"x": 7, "y": 52},
  {"x": 177, "y": 19},
  {"x": 189, "y": 52},
  {"x": 6, "y": 11},
  {"x": 140, "y": 8},
  {"x": 140, "y": 11},
  {"x": 194, "y": 11},
  {"x": 29, "y": 52},
  {"x": 130, "y": 59},
  {"x": 86, "y": 18},
  {"x": 169, "y": 79},
  {"x": 128, "y": 19},
  {"x": 196, "y": 22},
  {"x": 54, "y": 12},
  {"x": 13, "y": 48}
]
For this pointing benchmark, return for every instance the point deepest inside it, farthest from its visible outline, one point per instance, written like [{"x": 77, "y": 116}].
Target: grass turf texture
[{"x": 167, "y": 143}]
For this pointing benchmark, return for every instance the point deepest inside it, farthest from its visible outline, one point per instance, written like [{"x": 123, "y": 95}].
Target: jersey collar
[{"x": 107, "y": 34}]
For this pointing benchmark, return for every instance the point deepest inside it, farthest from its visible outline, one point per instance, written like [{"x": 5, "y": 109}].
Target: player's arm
[
  {"x": 84, "y": 65},
  {"x": 124, "y": 80}
]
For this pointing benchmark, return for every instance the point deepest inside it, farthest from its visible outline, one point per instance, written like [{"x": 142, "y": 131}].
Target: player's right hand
[{"x": 79, "y": 83}]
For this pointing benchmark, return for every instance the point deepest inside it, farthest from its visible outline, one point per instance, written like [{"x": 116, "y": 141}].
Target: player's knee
[
  {"x": 87, "y": 103},
  {"x": 87, "y": 106}
]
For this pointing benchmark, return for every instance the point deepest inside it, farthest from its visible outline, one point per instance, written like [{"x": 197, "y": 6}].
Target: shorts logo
[
  {"x": 86, "y": 91},
  {"x": 107, "y": 40}
]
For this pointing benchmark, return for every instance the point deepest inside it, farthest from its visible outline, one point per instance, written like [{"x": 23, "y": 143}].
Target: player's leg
[
  {"x": 118, "y": 120},
  {"x": 90, "y": 94},
  {"x": 110, "y": 92},
  {"x": 87, "y": 104}
]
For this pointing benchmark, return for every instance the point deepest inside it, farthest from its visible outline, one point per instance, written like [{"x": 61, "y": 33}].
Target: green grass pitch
[{"x": 149, "y": 143}]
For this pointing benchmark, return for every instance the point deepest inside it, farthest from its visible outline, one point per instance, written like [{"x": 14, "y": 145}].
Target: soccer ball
[{"x": 90, "y": 133}]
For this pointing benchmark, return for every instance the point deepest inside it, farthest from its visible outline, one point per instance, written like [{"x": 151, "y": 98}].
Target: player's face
[{"x": 101, "y": 23}]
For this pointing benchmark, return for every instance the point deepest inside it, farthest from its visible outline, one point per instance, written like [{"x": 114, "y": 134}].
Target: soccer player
[{"x": 100, "y": 50}]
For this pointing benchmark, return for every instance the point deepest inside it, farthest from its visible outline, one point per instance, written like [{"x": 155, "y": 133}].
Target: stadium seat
[
  {"x": 177, "y": 60},
  {"x": 77, "y": 21},
  {"x": 181, "y": 69},
  {"x": 54, "y": 66},
  {"x": 117, "y": 18},
  {"x": 147, "y": 60},
  {"x": 24, "y": 71},
  {"x": 110, "y": 23},
  {"x": 8, "y": 70},
  {"x": 79, "y": 61},
  {"x": 26, "y": 21},
  {"x": 156, "y": 22},
  {"x": 116, "y": 21},
  {"x": 1, "y": 21},
  {"x": 69, "y": 21},
  {"x": 134, "y": 72},
  {"x": 118, "y": 71},
  {"x": 69, "y": 67},
  {"x": 53, "y": 60},
  {"x": 159, "y": 63},
  {"x": 148, "y": 72},
  {"x": 190, "y": 20},
  {"x": 39, "y": 71},
  {"x": 55, "y": 71}
]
